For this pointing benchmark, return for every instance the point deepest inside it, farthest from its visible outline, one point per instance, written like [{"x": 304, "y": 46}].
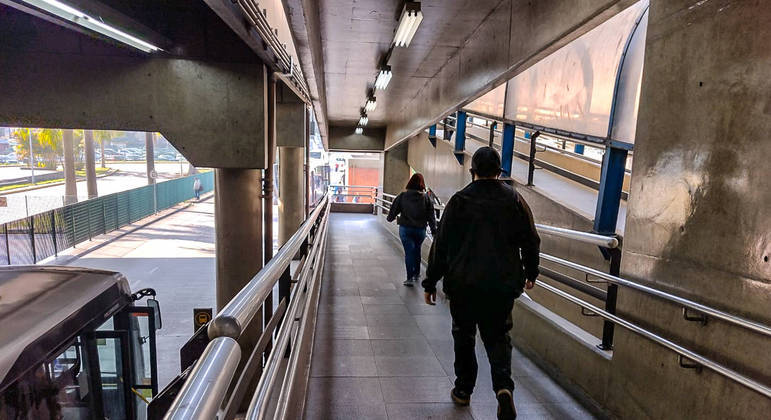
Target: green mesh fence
[{"x": 34, "y": 238}]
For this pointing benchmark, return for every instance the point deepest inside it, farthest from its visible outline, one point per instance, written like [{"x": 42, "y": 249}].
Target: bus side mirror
[{"x": 156, "y": 312}]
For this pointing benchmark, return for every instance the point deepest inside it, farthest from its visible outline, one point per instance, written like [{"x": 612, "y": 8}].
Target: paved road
[
  {"x": 13, "y": 172},
  {"x": 130, "y": 175},
  {"x": 175, "y": 256}
]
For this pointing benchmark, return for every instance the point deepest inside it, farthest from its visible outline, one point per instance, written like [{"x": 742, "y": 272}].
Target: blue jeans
[{"x": 412, "y": 240}]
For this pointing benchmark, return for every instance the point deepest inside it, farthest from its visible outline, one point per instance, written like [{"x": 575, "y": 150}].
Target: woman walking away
[{"x": 415, "y": 210}]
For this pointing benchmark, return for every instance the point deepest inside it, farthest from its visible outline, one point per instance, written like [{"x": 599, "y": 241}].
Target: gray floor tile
[
  {"x": 344, "y": 390},
  {"x": 370, "y": 324},
  {"x": 407, "y": 347},
  {"x": 415, "y": 389},
  {"x": 376, "y": 308},
  {"x": 408, "y": 366},
  {"x": 334, "y": 411},
  {"x": 412, "y": 411},
  {"x": 334, "y": 365},
  {"x": 392, "y": 331}
]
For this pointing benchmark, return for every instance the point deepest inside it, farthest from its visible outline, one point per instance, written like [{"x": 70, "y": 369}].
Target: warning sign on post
[{"x": 200, "y": 317}]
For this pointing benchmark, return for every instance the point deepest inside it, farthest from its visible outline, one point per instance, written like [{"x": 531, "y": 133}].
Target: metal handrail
[
  {"x": 612, "y": 242},
  {"x": 231, "y": 320},
  {"x": 203, "y": 393},
  {"x": 210, "y": 377},
  {"x": 259, "y": 404},
  {"x": 585, "y": 237},
  {"x": 682, "y": 351},
  {"x": 733, "y": 319}
]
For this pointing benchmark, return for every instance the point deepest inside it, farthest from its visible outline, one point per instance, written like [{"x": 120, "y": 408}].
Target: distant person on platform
[
  {"x": 484, "y": 230},
  {"x": 415, "y": 210},
  {"x": 197, "y": 188}
]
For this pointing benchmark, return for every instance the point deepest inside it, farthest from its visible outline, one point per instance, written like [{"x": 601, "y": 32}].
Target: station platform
[{"x": 381, "y": 353}]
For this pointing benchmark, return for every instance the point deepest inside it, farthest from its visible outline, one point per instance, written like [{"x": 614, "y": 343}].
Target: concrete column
[
  {"x": 291, "y": 207},
  {"x": 70, "y": 186},
  {"x": 396, "y": 170},
  {"x": 238, "y": 228},
  {"x": 90, "y": 163},
  {"x": 150, "y": 156}
]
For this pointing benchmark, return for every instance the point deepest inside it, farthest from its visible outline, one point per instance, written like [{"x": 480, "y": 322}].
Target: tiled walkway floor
[{"x": 381, "y": 352}]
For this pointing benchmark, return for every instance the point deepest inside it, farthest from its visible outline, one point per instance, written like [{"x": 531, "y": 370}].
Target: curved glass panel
[{"x": 572, "y": 89}]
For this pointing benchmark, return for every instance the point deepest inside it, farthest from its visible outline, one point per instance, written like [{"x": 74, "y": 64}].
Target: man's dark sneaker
[
  {"x": 460, "y": 397},
  {"x": 408, "y": 283},
  {"x": 506, "y": 410}
]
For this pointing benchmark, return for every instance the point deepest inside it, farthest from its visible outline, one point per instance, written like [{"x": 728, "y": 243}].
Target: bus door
[
  {"x": 142, "y": 325},
  {"x": 109, "y": 361}
]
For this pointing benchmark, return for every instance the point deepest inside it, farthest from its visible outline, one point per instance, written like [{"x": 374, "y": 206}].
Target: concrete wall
[
  {"x": 396, "y": 170},
  {"x": 698, "y": 219},
  {"x": 211, "y": 110},
  {"x": 343, "y": 138}
]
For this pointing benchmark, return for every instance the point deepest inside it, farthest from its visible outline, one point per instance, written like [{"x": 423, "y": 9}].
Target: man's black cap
[{"x": 486, "y": 162}]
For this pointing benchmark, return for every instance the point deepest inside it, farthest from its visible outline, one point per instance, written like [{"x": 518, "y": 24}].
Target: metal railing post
[
  {"x": 53, "y": 232},
  {"x": 32, "y": 238},
  {"x": 507, "y": 149},
  {"x": 531, "y": 158},
  {"x": 492, "y": 133},
  {"x": 610, "y": 300},
  {"x": 7, "y": 245}
]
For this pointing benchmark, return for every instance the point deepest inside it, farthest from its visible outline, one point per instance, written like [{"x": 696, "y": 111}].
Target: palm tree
[
  {"x": 71, "y": 189},
  {"x": 102, "y": 136}
]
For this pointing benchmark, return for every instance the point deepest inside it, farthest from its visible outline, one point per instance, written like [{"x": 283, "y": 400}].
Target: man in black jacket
[{"x": 486, "y": 249}]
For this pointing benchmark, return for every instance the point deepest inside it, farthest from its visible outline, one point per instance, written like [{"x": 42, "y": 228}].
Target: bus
[{"x": 75, "y": 343}]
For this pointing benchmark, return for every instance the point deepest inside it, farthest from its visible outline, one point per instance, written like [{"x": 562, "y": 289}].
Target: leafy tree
[{"x": 46, "y": 145}]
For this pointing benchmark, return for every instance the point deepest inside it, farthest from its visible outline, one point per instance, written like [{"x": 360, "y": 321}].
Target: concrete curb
[{"x": 53, "y": 184}]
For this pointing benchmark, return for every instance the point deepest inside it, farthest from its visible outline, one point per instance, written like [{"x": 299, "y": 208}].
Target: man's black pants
[{"x": 493, "y": 317}]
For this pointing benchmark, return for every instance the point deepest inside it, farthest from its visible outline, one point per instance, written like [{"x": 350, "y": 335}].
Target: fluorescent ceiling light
[
  {"x": 383, "y": 77},
  {"x": 359, "y": 130},
  {"x": 371, "y": 104},
  {"x": 76, "y": 16},
  {"x": 408, "y": 24},
  {"x": 363, "y": 120}
]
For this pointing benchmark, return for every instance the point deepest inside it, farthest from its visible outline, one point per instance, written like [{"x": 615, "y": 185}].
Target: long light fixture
[
  {"x": 408, "y": 24},
  {"x": 383, "y": 77},
  {"x": 359, "y": 130},
  {"x": 371, "y": 104},
  {"x": 363, "y": 120},
  {"x": 76, "y": 16}
]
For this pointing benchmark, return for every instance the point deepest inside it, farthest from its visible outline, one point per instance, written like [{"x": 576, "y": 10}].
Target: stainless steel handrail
[
  {"x": 204, "y": 391},
  {"x": 259, "y": 404},
  {"x": 231, "y": 320},
  {"x": 728, "y": 373},
  {"x": 585, "y": 237},
  {"x": 733, "y": 319},
  {"x": 210, "y": 378}
]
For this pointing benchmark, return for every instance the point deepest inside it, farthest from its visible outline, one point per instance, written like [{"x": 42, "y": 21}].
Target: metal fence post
[
  {"x": 104, "y": 217},
  {"x": 53, "y": 231},
  {"x": 88, "y": 217},
  {"x": 531, "y": 158},
  {"x": 32, "y": 238},
  {"x": 7, "y": 245}
]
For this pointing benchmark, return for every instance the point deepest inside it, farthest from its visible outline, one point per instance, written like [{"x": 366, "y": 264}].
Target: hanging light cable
[{"x": 408, "y": 23}]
